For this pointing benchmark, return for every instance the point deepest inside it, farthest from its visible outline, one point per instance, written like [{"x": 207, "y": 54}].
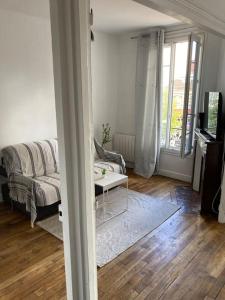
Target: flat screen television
[{"x": 213, "y": 114}]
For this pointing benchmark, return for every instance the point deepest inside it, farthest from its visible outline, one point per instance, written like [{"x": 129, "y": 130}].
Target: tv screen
[{"x": 213, "y": 110}]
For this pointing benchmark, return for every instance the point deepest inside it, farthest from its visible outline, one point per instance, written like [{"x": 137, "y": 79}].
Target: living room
[{"x": 150, "y": 234}]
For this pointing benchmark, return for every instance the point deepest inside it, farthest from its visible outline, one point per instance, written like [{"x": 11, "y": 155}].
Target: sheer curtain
[{"x": 148, "y": 103}]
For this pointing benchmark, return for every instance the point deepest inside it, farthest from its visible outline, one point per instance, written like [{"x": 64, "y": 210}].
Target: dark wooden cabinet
[{"x": 210, "y": 152}]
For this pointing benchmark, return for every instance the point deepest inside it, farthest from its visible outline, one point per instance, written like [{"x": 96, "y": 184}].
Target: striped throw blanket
[
  {"x": 33, "y": 174},
  {"x": 109, "y": 156}
]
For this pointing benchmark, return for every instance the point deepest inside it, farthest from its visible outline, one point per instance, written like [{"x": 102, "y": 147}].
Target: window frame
[
  {"x": 172, "y": 43},
  {"x": 195, "y": 94},
  {"x": 170, "y": 93}
]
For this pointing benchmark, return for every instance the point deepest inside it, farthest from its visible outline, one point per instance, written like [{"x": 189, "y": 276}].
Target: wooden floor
[{"x": 183, "y": 259}]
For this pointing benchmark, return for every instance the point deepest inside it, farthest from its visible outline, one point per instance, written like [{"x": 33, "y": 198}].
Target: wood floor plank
[
  {"x": 195, "y": 281},
  {"x": 221, "y": 295},
  {"x": 162, "y": 278},
  {"x": 184, "y": 258}
]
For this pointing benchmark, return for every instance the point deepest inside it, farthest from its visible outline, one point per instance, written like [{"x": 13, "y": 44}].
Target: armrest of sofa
[
  {"x": 110, "y": 156},
  {"x": 16, "y": 180},
  {"x": 22, "y": 190}
]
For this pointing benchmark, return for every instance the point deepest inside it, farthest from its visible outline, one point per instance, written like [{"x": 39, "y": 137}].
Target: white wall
[
  {"x": 105, "y": 76},
  {"x": 126, "y": 92},
  {"x": 210, "y": 65},
  {"x": 171, "y": 165},
  {"x": 27, "y": 101}
]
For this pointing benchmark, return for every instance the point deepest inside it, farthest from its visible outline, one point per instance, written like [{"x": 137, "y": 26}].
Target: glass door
[{"x": 191, "y": 93}]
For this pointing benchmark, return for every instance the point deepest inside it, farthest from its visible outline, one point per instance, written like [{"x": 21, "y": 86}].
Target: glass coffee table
[{"x": 110, "y": 181}]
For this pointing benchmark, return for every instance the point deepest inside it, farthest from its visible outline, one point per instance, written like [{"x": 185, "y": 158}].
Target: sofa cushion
[
  {"x": 47, "y": 189},
  {"x": 35, "y": 192},
  {"x": 109, "y": 166}
]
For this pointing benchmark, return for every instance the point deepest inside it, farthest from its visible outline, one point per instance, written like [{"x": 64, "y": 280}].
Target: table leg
[
  {"x": 103, "y": 204},
  {"x": 127, "y": 195}
]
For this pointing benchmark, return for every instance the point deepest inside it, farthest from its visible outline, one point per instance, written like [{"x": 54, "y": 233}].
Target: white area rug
[{"x": 116, "y": 235}]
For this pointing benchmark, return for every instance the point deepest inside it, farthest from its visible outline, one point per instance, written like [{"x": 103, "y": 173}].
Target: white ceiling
[
  {"x": 112, "y": 16},
  {"x": 121, "y": 16}
]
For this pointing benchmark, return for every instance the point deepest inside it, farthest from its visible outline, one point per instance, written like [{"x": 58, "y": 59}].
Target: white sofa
[{"x": 33, "y": 173}]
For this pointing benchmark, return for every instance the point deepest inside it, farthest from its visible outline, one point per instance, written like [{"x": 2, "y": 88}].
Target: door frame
[{"x": 70, "y": 27}]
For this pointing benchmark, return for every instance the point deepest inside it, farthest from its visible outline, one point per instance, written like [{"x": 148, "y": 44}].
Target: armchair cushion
[
  {"x": 109, "y": 156},
  {"x": 109, "y": 166}
]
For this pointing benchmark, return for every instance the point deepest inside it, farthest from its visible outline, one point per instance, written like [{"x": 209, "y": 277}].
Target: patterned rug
[{"x": 116, "y": 235}]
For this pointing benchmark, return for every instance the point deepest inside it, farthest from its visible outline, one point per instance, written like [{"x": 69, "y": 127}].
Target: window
[{"x": 180, "y": 88}]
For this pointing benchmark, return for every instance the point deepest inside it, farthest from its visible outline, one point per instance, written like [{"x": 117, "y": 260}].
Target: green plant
[
  {"x": 103, "y": 171},
  {"x": 106, "y": 134}
]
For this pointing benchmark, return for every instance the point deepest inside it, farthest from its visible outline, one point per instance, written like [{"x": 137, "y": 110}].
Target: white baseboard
[{"x": 175, "y": 175}]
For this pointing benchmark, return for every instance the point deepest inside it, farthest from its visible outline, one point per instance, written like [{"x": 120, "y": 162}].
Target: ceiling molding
[
  {"x": 125, "y": 16},
  {"x": 188, "y": 11}
]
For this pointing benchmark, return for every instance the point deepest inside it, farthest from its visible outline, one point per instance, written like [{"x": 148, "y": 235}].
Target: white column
[{"x": 71, "y": 59}]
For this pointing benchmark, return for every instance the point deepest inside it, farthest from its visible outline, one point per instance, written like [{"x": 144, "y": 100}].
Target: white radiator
[{"x": 125, "y": 145}]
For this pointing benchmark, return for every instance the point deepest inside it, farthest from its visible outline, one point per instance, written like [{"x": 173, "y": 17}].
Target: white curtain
[{"x": 148, "y": 103}]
